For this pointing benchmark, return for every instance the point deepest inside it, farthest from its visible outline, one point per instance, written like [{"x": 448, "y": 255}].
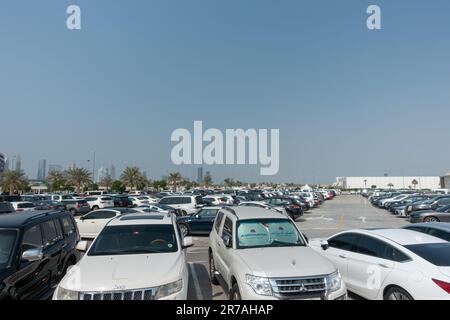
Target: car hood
[
  {"x": 285, "y": 262},
  {"x": 107, "y": 273}
]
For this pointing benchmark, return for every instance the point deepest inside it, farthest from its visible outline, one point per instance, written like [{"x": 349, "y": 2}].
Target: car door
[
  {"x": 224, "y": 252},
  {"x": 368, "y": 266},
  {"x": 339, "y": 248},
  {"x": 91, "y": 224},
  {"x": 53, "y": 248},
  {"x": 33, "y": 278}
]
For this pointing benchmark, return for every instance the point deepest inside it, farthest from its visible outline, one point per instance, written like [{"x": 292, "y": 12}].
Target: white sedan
[
  {"x": 390, "y": 264},
  {"x": 93, "y": 222}
]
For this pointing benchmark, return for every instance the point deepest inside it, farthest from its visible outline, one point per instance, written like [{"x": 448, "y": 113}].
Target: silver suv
[{"x": 257, "y": 253}]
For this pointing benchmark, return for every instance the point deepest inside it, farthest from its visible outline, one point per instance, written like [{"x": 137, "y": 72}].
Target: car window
[
  {"x": 32, "y": 238},
  {"x": 218, "y": 222},
  {"x": 49, "y": 232},
  {"x": 101, "y": 214},
  {"x": 208, "y": 213},
  {"x": 435, "y": 253},
  {"x": 346, "y": 241},
  {"x": 59, "y": 230},
  {"x": 6, "y": 208},
  {"x": 228, "y": 227},
  {"x": 439, "y": 234},
  {"x": 67, "y": 224},
  {"x": 372, "y": 247},
  {"x": 25, "y": 205}
]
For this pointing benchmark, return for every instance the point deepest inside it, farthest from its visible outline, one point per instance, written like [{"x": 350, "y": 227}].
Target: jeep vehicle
[
  {"x": 135, "y": 257},
  {"x": 257, "y": 254},
  {"x": 36, "y": 249}
]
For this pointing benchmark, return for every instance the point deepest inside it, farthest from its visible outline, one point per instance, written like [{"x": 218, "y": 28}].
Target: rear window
[
  {"x": 435, "y": 253},
  {"x": 25, "y": 205},
  {"x": 106, "y": 199}
]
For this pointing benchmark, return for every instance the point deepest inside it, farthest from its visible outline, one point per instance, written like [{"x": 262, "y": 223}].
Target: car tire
[
  {"x": 184, "y": 228},
  {"x": 95, "y": 208},
  {"x": 431, "y": 219},
  {"x": 397, "y": 293},
  {"x": 235, "y": 294},
  {"x": 212, "y": 270},
  {"x": 183, "y": 213}
]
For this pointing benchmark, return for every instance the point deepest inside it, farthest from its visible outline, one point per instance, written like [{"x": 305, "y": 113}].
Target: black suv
[{"x": 36, "y": 248}]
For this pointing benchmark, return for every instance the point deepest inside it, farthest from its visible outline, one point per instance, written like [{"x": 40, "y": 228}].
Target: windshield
[
  {"x": 258, "y": 233},
  {"x": 7, "y": 239},
  {"x": 135, "y": 239},
  {"x": 435, "y": 253}
]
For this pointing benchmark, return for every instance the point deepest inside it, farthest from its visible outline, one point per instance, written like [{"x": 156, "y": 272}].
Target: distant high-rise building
[
  {"x": 112, "y": 172},
  {"x": 18, "y": 165},
  {"x": 42, "y": 167},
  {"x": 200, "y": 175},
  {"x": 55, "y": 167},
  {"x": 7, "y": 164},
  {"x": 3, "y": 161},
  {"x": 101, "y": 174}
]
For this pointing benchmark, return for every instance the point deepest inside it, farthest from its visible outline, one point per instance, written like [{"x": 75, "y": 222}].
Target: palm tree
[
  {"x": 414, "y": 183},
  {"x": 175, "y": 178},
  {"x": 390, "y": 185},
  {"x": 131, "y": 176},
  {"x": 207, "y": 180},
  {"x": 79, "y": 177},
  {"x": 14, "y": 180},
  {"x": 56, "y": 180},
  {"x": 106, "y": 182},
  {"x": 228, "y": 182}
]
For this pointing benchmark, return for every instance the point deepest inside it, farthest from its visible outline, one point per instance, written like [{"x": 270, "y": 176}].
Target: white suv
[
  {"x": 135, "y": 257},
  {"x": 187, "y": 204},
  {"x": 257, "y": 254},
  {"x": 99, "y": 202}
]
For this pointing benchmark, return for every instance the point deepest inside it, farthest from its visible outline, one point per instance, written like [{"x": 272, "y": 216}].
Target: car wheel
[
  {"x": 95, "y": 208},
  {"x": 212, "y": 270},
  {"x": 431, "y": 219},
  {"x": 184, "y": 229},
  {"x": 397, "y": 293},
  {"x": 183, "y": 213},
  {"x": 235, "y": 294}
]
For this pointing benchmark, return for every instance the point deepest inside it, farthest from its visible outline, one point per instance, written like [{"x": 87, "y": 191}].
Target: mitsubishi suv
[
  {"x": 257, "y": 254},
  {"x": 135, "y": 257}
]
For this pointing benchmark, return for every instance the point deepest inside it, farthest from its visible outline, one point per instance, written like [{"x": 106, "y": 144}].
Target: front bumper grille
[
  {"x": 299, "y": 288},
  {"x": 139, "y": 294}
]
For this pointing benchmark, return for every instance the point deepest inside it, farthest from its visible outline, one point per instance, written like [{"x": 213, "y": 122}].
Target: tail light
[
  {"x": 19, "y": 210},
  {"x": 78, "y": 205},
  {"x": 443, "y": 285},
  {"x": 294, "y": 206}
]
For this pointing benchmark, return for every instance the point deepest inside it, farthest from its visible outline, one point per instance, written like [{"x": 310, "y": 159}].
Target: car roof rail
[
  {"x": 41, "y": 215},
  {"x": 229, "y": 209}
]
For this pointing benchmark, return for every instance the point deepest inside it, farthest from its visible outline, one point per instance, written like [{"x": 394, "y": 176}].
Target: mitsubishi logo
[{"x": 303, "y": 288}]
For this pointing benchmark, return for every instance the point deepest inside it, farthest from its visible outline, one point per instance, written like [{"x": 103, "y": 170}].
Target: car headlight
[
  {"x": 170, "y": 288},
  {"x": 334, "y": 281},
  {"x": 259, "y": 284},
  {"x": 65, "y": 294}
]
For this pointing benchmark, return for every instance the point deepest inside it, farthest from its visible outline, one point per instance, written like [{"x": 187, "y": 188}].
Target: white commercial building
[{"x": 389, "y": 182}]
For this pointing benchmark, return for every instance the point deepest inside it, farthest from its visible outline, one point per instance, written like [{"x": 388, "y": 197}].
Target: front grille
[
  {"x": 140, "y": 294},
  {"x": 299, "y": 288}
]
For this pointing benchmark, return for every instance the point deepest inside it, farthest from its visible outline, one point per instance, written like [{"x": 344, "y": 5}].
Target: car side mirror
[
  {"x": 227, "y": 241},
  {"x": 324, "y": 245},
  {"x": 32, "y": 255},
  {"x": 82, "y": 246},
  {"x": 188, "y": 242}
]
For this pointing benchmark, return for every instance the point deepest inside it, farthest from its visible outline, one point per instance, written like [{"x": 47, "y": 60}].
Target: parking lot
[{"x": 342, "y": 213}]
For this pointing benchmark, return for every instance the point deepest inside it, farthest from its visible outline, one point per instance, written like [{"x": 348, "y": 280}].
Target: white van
[
  {"x": 187, "y": 204},
  {"x": 96, "y": 193}
]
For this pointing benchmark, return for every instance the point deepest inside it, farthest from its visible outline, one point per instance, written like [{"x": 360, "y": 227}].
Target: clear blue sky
[{"x": 348, "y": 101}]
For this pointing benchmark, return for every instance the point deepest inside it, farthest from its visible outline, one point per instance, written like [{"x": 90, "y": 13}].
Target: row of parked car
[
  {"x": 416, "y": 206},
  {"x": 254, "y": 253}
]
